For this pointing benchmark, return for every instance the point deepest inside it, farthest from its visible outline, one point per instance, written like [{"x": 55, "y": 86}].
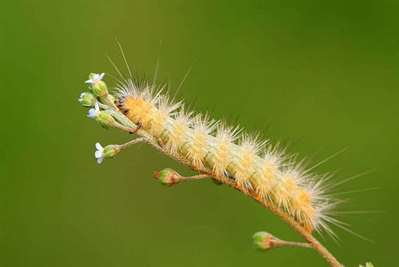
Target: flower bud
[
  {"x": 105, "y": 152},
  {"x": 87, "y": 99},
  {"x": 263, "y": 240},
  {"x": 105, "y": 119},
  {"x": 111, "y": 151},
  {"x": 168, "y": 177},
  {"x": 100, "y": 89},
  {"x": 98, "y": 86}
]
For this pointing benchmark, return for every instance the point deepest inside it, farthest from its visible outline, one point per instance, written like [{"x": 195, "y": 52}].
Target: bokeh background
[{"x": 318, "y": 76}]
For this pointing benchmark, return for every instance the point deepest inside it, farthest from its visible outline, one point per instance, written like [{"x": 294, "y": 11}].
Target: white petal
[
  {"x": 92, "y": 113},
  {"x": 81, "y": 97},
  {"x": 99, "y": 146},
  {"x": 98, "y": 154},
  {"x": 101, "y": 76},
  {"x": 89, "y": 81},
  {"x": 97, "y": 107},
  {"x": 99, "y": 160}
]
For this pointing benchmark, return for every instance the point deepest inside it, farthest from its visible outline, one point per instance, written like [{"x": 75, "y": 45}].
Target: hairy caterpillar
[{"x": 228, "y": 154}]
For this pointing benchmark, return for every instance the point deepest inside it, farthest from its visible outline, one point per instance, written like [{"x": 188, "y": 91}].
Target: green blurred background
[{"x": 318, "y": 76}]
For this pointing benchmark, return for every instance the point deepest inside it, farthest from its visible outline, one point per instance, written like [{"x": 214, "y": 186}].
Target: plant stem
[
  {"x": 132, "y": 142},
  {"x": 195, "y": 177},
  {"x": 278, "y": 243},
  {"x": 283, "y": 243}
]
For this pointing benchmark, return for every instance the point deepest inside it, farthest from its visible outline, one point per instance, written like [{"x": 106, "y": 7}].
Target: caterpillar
[{"x": 229, "y": 154}]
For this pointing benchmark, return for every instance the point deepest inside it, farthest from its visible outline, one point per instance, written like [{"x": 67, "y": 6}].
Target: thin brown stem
[
  {"x": 195, "y": 177},
  {"x": 283, "y": 243},
  {"x": 131, "y": 142}
]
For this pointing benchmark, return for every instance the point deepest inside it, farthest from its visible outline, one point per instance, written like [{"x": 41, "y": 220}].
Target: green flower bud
[
  {"x": 100, "y": 89},
  {"x": 98, "y": 86},
  {"x": 168, "y": 177},
  {"x": 87, "y": 99},
  {"x": 262, "y": 240},
  {"x": 111, "y": 150},
  {"x": 105, "y": 119}
]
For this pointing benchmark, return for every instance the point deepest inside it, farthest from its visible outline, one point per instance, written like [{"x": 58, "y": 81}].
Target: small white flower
[
  {"x": 99, "y": 154},
  {"x": 95, "y": 78},
  {"x": 93, "y": 112}
]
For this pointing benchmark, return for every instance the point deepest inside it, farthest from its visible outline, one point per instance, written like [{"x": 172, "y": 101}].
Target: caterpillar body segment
[{"x": 254, "y": 166}]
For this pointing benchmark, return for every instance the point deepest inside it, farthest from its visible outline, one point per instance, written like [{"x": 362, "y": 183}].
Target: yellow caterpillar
[{"x": 223, "y": 151}]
